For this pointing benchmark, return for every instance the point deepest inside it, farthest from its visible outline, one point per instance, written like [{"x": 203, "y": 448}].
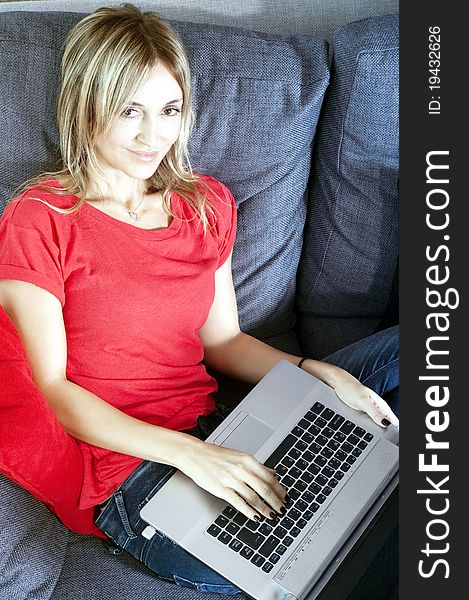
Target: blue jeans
[{"x": 375, "y": 361}]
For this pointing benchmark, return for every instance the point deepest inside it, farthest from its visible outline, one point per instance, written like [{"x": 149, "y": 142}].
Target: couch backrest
[{"x": 283, "y": 17}]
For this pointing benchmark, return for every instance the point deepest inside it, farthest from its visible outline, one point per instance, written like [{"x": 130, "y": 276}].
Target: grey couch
[{"x": 303, "y": 129}]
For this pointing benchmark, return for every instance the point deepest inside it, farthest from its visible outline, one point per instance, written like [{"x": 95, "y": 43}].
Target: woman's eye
[
  {"x": 130, "y": 112},
  {"x": 171, "y": 111}
]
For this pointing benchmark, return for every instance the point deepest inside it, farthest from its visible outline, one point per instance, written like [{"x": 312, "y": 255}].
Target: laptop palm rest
[{"x": 244, "y": 433}]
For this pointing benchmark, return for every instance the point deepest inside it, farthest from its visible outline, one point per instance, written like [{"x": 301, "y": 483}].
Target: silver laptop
[{"x": 339, "y": 468}]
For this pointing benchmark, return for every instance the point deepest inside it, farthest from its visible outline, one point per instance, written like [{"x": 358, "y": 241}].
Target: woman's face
[{"x": 146, "y": 130}]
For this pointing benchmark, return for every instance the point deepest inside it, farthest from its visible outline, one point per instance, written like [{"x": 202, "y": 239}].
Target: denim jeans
[{"x": 374, "y": 361}]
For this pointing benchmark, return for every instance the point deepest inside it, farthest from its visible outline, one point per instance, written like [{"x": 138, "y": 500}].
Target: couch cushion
[
  {"x": 87, "y": 563},
  {"x": 351, "y": 239},
  {"x": 257, "y": 99},
  {"x": 33, "y": 544}
]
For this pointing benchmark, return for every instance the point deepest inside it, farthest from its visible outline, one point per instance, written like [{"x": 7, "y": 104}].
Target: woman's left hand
[
  {"x": 353, "y": 393},
  {"x": 358, "y": 396}
]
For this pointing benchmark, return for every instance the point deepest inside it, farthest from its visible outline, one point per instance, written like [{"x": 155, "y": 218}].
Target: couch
[{"x": 296, "y": 110}]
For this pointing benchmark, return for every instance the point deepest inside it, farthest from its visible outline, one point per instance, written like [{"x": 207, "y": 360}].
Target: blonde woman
[{"x": 116, "y": 273}]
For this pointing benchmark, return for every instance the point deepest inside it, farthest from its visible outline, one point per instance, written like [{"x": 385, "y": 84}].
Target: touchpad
[{"x": 249, "y": 435}]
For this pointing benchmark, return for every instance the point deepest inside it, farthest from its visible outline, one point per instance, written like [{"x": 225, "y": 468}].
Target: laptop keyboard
[{"x": 310, "y": 462}]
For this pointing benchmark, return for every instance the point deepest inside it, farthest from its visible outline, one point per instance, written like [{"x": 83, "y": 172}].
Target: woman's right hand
[{"x": 236, "y": 477}]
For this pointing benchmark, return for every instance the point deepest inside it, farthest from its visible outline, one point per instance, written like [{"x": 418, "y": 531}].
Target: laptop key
[
  {"x": 280, "y": 532},
  {"x": 213, "y": 530},
  {"x": 320, "y": 422},
  {"x": 246, "y": 552},
  {"x": 356, "y": 452},
  {"x": 225, "y": 538},
  {"x": 314, "y": 429},
  {"x": 327, "y": 472},
  {"x": 336, "y": 422},
  {"x": 258, "y": 560},
  {"x": 235, "y": 545},
  {"x": 288, "y": 481},
  {"x": 301, "y": 485},
  {"x": 314, "y": 506},
  {"x": 240, "y": 519},
  {"x": 280, "y": 451},
  {"x": 301, "y": 505},
  {"x": 320, "y": 498},
  {"x": 327, "y": 490},
  {"x": 327, "y": 414},
  {"x": 269, "y": 546},
  {"x": 307, "y": 476},
  {"x": 229, "y": 512},
  {"x": 294, "y": 514},
  {"x": 287, "y": 523},
  {"x": 321, "y": 440},
  {"x": 303, "y": 423},
  {"x": 295, "y": 531},
  {"x": 338, "y": 475},
  {"x": 317, "y": 408},
  {"x": 327, "y": 432},
  {"x": 297, "y": 431},
  {"x": 294, "y": 494},
  {"x": 251, "y": 538},
  {"x": 252, "y": 525},
  {"x": 297, "y": 450},
  {"x": 301, "y": 523},
  {"x": 333, "y": 482},
  {"x": 308, "y": 514},
  {"x": 352, "y": 439},
  {"x": 321, "y": 480},
  {"x": 339, "y": 436},
  {"x": 314, "y": 469},
  {"x": 232, "y": 528},
  {"x": 268, "y": 567},
  {"x": 287, "y": 540},
  {"x": 275, "y": 558},
  {"x": 362, "y": 444},
  {"x": 344, "y": 467},
  {"x": 221, "y": 521},
  {"x": 347, "y": 427},
  {"x": 281, "y": 549},
  {"x": 327, "y": 452},
  {"x": 358, "y": 431},
  {"x": 320, "y": 460},
  {"x": 307, "y": 438},
  {"x": 265, "y": 529},
  {"x": 346, "y": 447},
  {"x": 368, "y": 437}
]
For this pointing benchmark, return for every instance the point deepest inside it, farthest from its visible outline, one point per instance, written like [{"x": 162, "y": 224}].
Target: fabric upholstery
[
  {"x": 351, "y": 240},
  {"x": 33, "y": 545},
  {"x": 255, "y": 123},
  {"x": 282, "y": 17}
]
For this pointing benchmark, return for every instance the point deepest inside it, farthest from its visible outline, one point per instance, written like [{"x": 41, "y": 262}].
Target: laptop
[{"x": 338, "y": 466}]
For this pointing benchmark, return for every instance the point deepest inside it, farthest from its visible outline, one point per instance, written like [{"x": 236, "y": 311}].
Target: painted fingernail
[
  {"x": 385, "y": 422},
  {"x": 257, "y": 518},
  {"x": 273, "y": 515},
  {"x": 283, "y": 510}
]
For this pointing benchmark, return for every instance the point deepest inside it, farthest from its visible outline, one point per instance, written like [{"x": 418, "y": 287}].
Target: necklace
[{"x": 133, "y": 213}]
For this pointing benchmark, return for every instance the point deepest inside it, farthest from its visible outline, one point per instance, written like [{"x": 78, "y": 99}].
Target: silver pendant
[{"x": 133, "y": 215}]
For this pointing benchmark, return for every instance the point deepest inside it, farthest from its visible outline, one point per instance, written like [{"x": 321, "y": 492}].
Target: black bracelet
[{"x": 302, "y": 361}]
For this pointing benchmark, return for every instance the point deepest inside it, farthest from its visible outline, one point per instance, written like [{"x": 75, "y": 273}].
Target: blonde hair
[{"x": 108, "y": 55}]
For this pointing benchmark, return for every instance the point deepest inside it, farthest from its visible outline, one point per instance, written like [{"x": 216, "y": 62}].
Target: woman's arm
[
  {"x": 228, "y": 474},
  {"x": 234, "y": 353}
]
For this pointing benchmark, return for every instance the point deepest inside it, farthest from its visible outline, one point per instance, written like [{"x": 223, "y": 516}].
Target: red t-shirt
[{"x": 133, "y": 301}]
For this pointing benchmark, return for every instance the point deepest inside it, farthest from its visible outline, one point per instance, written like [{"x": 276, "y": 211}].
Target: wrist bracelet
[{"x": 302, "y": 361}]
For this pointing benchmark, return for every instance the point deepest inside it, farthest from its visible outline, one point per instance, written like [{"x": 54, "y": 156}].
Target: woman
[{"x": 116, "y": 272}]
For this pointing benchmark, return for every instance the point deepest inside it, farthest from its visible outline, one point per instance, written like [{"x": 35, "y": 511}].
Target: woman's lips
[{"x": 145, "y": 156}]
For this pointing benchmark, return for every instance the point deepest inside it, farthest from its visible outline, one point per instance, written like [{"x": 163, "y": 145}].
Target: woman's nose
[{"x": 150, "y": 132}]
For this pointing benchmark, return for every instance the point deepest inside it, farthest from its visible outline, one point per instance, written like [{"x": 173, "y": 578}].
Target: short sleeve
[
  {"x": 223, "y": 203},
  {"x": 29, "y": 247}
]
